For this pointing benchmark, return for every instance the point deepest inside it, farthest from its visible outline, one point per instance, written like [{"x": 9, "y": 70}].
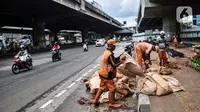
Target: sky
[{"x": 121, "y": 10}]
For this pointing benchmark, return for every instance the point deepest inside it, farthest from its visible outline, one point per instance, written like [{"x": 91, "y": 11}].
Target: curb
[{"x": 143, "y": 102}]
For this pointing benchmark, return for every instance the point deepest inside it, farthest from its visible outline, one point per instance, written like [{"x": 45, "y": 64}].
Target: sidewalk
[{"x": 184, "y": 101}]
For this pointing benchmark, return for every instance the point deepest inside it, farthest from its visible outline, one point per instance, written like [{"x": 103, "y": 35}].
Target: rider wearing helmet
[
  {"x": 22, "y": 51},
  {"x": 56, "y": 46},
  {"x": 23, "y": 54}
]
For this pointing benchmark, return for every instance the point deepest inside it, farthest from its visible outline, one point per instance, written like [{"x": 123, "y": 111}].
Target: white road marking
[
  {"x": 71, "y": 85},
  {"x": 46, "y": 104},
  {"x": 84, "y": 74},
  {"x": 5, "y": 68},
  {"x": 59, "y": 94},
  {"x": 90, "y": 70},
  {"x": 79, "y": 79},
  {"x": 95, "y": 66}
]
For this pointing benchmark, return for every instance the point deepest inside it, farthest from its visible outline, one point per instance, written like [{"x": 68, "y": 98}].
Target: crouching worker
[
  {"x": 107, "y": 73},
  {"x": 143, "y": 51}
]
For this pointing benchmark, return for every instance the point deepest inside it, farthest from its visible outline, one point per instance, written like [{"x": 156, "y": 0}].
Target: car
[{"x": 100, "y": 42}]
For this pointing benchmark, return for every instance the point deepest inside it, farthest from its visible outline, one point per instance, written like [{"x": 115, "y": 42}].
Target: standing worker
[
  {"x": 162, "y": 44},
  {"x": 107, "y": 73},
  {"x": 175, "y": 41},
  {"x": 143, "y": 51}
]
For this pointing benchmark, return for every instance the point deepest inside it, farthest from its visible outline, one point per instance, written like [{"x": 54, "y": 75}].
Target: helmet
[
  {"x": 162, "y": 32},
  {"x": 22, "y": 46}
]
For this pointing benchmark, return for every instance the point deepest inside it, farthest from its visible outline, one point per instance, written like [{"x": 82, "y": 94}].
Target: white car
[{"x": 100, "y": 42}]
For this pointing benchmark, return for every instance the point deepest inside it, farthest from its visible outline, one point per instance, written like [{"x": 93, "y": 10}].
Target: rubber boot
[
  {"x": 96, "y": 99},
  {"x": 111, "y": 98}
]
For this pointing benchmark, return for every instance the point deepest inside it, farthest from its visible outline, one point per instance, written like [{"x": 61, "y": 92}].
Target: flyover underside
[
  {"x": 54, "y": 15},
  {"x": 175, "y": 2},
  {"x": 150, "y": 23}
]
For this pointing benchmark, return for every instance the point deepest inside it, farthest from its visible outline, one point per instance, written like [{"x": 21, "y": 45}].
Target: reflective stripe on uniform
[{"x": 106, "y": 65}]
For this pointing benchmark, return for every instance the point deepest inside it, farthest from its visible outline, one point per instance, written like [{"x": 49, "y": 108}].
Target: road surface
[
  {"x": 18, "y": 90},
  {"x": 50, "y": 86}
]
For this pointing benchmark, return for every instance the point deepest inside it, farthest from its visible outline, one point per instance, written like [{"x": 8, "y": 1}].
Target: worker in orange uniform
[
  {"x": 107, "y": 73},
  {"x": 175, "y": 40},
  {"x": 143, "y": 51}
]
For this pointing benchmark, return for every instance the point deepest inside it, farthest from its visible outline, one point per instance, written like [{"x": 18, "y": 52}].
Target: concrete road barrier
[{"x": 143, "y": 103}]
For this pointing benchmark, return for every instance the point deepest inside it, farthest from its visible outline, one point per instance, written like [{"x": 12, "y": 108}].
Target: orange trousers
[
  {"x": 139, "y": 56},
  {"x": 163, "y": 58},
  {"x": 175, "y": 45},
  {"x": 107, "y": 85}
]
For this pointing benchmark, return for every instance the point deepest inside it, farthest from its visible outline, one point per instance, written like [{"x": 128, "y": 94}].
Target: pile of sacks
[
  {"x": 125, "y": 79},
  {"x": 160, "y": 70},
  {"x": 157, "y": 82}
]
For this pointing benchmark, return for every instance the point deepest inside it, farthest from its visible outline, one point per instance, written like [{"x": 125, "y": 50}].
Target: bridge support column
[
  {"x": 169, "y": 25},
  {"x": 84, "y": 34},
  {"x": 55, "y": 36},
  {"x": 38, "y": 33}
]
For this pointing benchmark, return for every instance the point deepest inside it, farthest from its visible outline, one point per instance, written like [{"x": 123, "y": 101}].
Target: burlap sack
[
  {"x": 147, "y": 86},
  {"x": 119, "y": 75},
  {"x": 162, "y": 86},
  {"x": 94, "y": 82},
  {"x": 174, "y": 84},
  {"x": 165, "y": 71},
  {"x": 131, "y": 70},
  {"x": 163, "y": 91}
]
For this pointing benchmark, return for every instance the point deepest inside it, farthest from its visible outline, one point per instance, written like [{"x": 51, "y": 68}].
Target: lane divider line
[
  {"x": 95, "y": 67},
  {"x": 78, "y": 79},
  {"x": 90, "y": 70},
  {"x": 59, "y": 94},
  {"x": 84, "y": 74},
  {"x": 46, "y": 104},
  {"x": 71, "y": 85}
]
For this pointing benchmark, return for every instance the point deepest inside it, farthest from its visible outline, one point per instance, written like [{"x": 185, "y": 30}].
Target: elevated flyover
[
  {"x": 161, "y": 14},
  {"x": 56, "y": 15}
]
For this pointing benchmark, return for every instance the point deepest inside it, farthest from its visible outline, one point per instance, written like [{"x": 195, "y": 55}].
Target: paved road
[{"x": 16, "y": 91}]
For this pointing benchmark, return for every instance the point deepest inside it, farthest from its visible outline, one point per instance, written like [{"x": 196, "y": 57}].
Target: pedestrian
[
  {"x": 162, "y": 44},
  {"x": 107, "y": 73},
  {"x": 143, "y": 51},
  {"x": 175, "y": 41}
]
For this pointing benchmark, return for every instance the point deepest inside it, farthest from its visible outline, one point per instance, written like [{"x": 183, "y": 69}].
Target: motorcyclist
[
  {"x": 23, "y": 54},
  {"x": 57, "y": 47},
  {"x": 22, "y": 51},
  {"x": 85, "y": 46}
]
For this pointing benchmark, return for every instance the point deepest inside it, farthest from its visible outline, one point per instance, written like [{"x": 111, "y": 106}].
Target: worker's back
[{"x": 143, "y": 46}]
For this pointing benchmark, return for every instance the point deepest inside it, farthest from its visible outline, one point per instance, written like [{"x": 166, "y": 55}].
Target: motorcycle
[
  {"x": 129, "y": 49},
  {"x": 85, "y": 48},
  {"x": 55, "y": 55},
  {"x": 20, "y": 65}
]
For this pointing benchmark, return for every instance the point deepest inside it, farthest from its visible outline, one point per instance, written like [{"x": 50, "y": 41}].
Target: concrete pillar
[
  {"x": 38, "y": 33},
  {"x": 84, "y": 34},
  {"x": 169, "y": 25},
  {"x": 55, "y": 36}
]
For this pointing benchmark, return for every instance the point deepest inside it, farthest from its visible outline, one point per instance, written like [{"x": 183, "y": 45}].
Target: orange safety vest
[{"x": 106, "y": 68}]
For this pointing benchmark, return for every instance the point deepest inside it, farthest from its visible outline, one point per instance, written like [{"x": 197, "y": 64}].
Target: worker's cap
[
  {"x": 162, "y": 33},
  {"x": 112, "y": 42}
]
